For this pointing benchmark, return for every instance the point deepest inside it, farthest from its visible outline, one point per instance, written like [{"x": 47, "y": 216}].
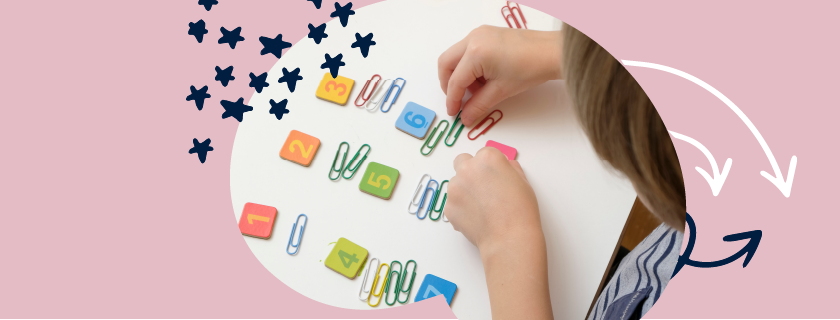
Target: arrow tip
[{"x": 751, "y": 247}]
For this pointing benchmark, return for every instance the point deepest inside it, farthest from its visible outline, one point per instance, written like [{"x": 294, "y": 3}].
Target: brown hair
[{"x": 623, "y": 126}]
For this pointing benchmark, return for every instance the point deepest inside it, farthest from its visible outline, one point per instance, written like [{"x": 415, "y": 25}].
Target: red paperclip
[
  {"x": 511, "y": 15},
  {"x": 488, "y": 127},
  {"x": 372, "y": 90}
]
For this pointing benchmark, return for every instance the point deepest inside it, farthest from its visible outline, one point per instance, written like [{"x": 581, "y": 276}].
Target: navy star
[
  {"x": 198, "y": 96},
  {"x": 290, "y": 78},
  {"x": 278, "y": 109},
  {"x": 231, "y": 37},
  {"x": 274, "y": 46},
  {"x": 317, "y": 3},
  {"x": 201, "y": 148},
  {"x": 258, "y": 82},
  {"x": 364, "y": 43},
  {"x": 224, "y": 76},
  {"x": 207, "y": 5},
  {"x": 235, "y": 109},
  {"x": 198, "y": 30},
  {"x": 333, "y": 64},
  {"x": 317, "y": 33},
  {"x": 343, "y": 13}
]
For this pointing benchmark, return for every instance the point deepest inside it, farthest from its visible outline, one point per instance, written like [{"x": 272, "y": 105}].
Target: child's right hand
[{"x": 494, "y": 64}]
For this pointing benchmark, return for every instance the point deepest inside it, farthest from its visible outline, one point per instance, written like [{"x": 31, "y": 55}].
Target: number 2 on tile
[{"x": 303, "y": 151}]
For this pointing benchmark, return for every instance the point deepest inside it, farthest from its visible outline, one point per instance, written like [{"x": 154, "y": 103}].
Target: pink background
[{"x": 106, "y": 215}]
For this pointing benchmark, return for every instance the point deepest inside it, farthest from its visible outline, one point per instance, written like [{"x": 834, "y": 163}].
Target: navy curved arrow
[{"x": 748, "y": 250}]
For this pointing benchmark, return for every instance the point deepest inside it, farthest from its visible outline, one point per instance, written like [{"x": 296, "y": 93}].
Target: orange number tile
[
  {"x": 300, "y": 148},
  {"x": 257, "y": 220}
]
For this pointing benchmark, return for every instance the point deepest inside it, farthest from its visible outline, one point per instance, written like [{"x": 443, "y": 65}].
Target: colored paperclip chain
[
  {"x": 457, "y": 134},
  {"x": 364, "y": 89},
  {"x": 423, "y": 197},
  {"x": 365, "y": 290},
  {"x": 300, "y": 235},
  {"x": 396, "y": 283},
  {"x": 382, "y": 288},
  {"x": 388, "y": 95},
  {"x": 429, "y": 139},
  {"x": 376, "y": 99},
  {"x": 435, "y": 202},
  {"x": 410, "y": 283},
  {"x": 493, "y": 123},
  {"x": 342, "y": 170},
  {"x": 510, "y": 15}
]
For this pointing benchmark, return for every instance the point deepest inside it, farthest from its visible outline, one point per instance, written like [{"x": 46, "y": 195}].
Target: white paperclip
[
  {"x": 418, "y": 195},
  {"x": 364, "y": 280},
  {"x": 377, "y": 99}
]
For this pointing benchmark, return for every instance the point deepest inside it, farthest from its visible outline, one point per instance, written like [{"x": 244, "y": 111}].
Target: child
[{"x": 494, "y": 206}]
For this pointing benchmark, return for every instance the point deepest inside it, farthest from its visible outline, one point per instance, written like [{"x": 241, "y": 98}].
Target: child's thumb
[{"x": 481, "y": 103}]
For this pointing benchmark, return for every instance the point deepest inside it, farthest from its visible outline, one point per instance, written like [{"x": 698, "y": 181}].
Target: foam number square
[
  {"x": 300, "y": 148},
  {"x": 379, "y": 180},
  {"x": 415, "y": 120},
  {"x": 346, "y": 258},
  {"x": 334, "y": 90},
  {"x": 508, "y": 151},
  {"x": 257, "y": 220},
  {"x": 435, "y": 286}
]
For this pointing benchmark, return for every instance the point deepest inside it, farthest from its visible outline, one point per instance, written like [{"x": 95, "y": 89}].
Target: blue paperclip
[
  {"x": 300, "y": 235},
  {"x": 423, "y": 199},
  {"x": 388, "y": 94}
]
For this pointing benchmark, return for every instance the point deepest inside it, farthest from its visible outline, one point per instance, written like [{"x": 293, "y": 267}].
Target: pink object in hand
[{"x": 510, "y": 152}]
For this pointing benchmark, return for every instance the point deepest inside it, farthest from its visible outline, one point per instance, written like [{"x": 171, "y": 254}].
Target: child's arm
[
  {"x": 491, "y": 202},
  {"x": 495, "y": 64}
]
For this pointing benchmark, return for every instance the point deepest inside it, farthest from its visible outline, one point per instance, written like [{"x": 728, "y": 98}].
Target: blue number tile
[
  {"x": 415, "y": 120},
  {"x": 434, "y": 286}
]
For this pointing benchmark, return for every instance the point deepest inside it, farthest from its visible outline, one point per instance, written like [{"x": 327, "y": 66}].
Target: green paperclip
[
  {"x": 435, "y": 201},
  {"x": 429, "y": 139},
  {"x": 410, "y": 283},
  {"x": 340, "y": 168},
  {"x": 353, "y": 171},
  {"x": 397, "y": 284},
  {"x": 457, "y": 134}
]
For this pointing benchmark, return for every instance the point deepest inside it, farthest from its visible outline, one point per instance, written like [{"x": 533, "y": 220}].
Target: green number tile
[
  {"x": 346, "y": 258},
  {"x": 379, "y": 180}
]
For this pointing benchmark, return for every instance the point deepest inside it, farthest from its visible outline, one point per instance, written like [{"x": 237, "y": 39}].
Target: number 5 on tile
[
  {"x": 300, "y": 148},
  {"x": 379, "y": 180}
]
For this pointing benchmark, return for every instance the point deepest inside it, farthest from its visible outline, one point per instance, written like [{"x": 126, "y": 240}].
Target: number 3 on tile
[
  {"x": 379, "y": 179},
  {"x": 303, "y": 151},
  {"x": 341, "y": 86}
]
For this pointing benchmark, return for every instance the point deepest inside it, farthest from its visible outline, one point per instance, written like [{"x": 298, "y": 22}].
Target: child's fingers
[
  {"x": 448, "y": 60},
  {"x": 483, "y": 99},
  {"x": 463, "y": 76},
  {"x": 460, "y": 161},
  {"x": 518, "y": 168}
]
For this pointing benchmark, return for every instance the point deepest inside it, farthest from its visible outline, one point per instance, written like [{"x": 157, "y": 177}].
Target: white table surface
[{"x": 583, "y": 203}]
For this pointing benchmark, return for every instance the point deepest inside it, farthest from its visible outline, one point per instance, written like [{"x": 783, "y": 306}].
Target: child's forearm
[{"x": 516, "y": 269}]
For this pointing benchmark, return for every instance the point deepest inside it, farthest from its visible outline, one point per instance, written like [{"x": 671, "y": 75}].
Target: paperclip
[
  {"x": 396, "y": 282},
  {"x": 511, "y": 15},
  {"x": 429, "y": 139},
  {"x": 341, "y": 167},
  {"x": 417, "y": 193},
  {"x": 375, "y": 281},
  {"x": 423, "y": 199},
  {"x": 457, "y": 134},
  {"x": 353, "y": 170},
  {"x": 396, "y": 95},
  {"x": 364, "y": 280},
  {"x": 373, "y": 102},
  {"x": 437, "y": 197},
  {"x": 488, "y": 127},
  {"x": 300, "y": 235},
  {"x": 410, "y": 283},
  {"x": 364, "y": 89}
]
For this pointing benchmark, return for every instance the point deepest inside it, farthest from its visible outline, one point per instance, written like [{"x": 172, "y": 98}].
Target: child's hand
[
  {"x": 495, "y": 64},
  {"x": 490, "y": 201}
]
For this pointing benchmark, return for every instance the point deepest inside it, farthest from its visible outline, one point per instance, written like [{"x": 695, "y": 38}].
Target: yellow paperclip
[{"x": 382, "y": 288}]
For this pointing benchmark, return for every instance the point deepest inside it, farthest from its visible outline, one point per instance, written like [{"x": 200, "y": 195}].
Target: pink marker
[{"x": 508, "y": 151}]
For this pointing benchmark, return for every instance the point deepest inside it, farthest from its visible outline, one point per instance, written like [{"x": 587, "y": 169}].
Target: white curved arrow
[
  {"x": 778, "y": 180},
  {"x": 720, "y": 176}
]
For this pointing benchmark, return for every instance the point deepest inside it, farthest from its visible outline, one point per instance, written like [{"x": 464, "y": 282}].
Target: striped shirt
[{"x": 640, "y": 278}]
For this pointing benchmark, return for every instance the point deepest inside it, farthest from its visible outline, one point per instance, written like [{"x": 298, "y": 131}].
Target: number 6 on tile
[{"x": 380, "y": 181}]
